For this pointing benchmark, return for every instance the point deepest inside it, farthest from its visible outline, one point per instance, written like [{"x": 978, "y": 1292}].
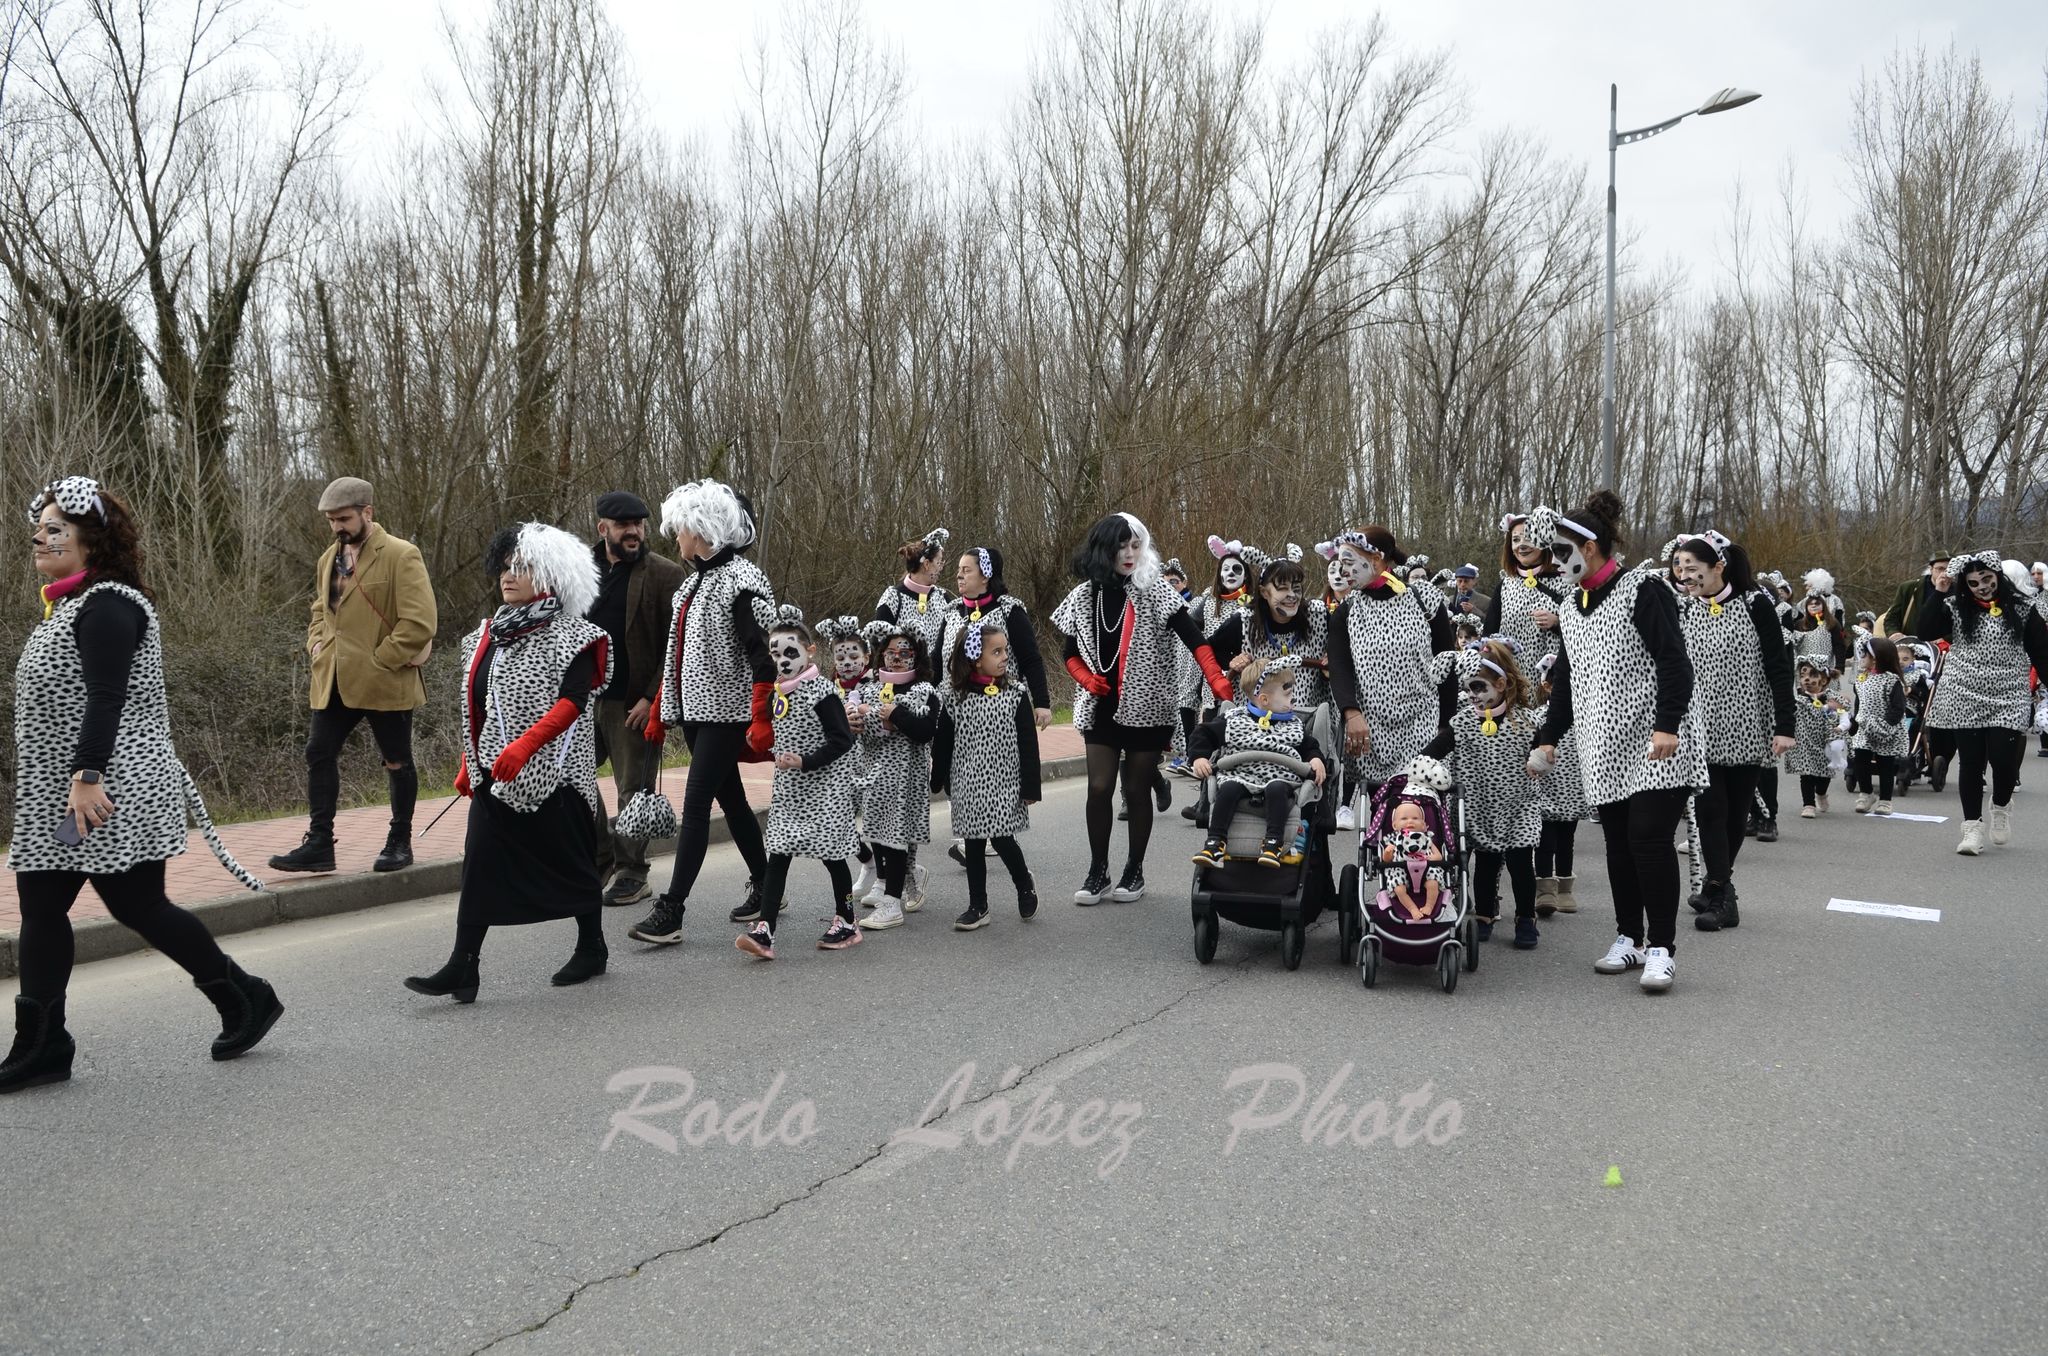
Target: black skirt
[
  {"x": 529, "y": 868},
  {"x": 1130, "y": 738}
]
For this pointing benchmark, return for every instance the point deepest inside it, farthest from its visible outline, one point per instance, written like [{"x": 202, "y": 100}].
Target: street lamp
[{"x": 1719, "y": 102}]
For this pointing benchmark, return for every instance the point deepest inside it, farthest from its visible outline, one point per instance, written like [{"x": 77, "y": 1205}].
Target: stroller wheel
[
  {"x": 1293, "y": 937},
  {"x": 1348, "y": 927},
  {"x": 1205, "y": 938},
  {"x": 1369, "y": 961},
  {"x": 1447, "y": 966},
  {"x": 1469, "y": 941}
]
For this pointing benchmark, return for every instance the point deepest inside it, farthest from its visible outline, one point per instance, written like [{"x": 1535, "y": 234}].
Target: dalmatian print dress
[
  {"x": 985, "y": 773},
  {"x": 1146, "y": 696},
  {"x": 1520, "y": 598},
  {"x": 1562, "y": 791},
  {"x": 708, "y": 677},
  {"x": 1983, "y": 683},
  {"x": 1884, "y": 737},
  {"x": 812, "y": 811},
  {"x": 1502, "y": 808},
  {"x": 956, "y": 619},
  {"x": 1391, "y": 650},
  {"x": 1814, "y": 725},
  {"x": 521, "y": 682},
  {"x": 1614, "y": 700},
  {"x": 1730, "y": 696},
  {"x": 920, "y": 614},
  {"x": 1242, "y": 733},
  {"x": 896, "y": 799}
]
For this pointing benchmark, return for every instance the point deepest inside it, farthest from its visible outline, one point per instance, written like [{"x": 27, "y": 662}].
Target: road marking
[
  {"x": 1917, "y": 819},
  {"x": 1886, "y": 910}
]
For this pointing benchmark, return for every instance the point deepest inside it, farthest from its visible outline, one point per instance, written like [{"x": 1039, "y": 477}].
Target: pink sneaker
[{"x": 757, "y": 941}]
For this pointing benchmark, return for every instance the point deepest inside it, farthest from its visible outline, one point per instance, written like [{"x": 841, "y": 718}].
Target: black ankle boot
[
  {"x": 315, "y": 852},
  {"x": 582, "y": 965},
  {"x": 42, "y": 1048},
  {"x": 248, "y": 1009},
  {"x": 397, "y": 853},
  {"x": 458, "y": 979}
]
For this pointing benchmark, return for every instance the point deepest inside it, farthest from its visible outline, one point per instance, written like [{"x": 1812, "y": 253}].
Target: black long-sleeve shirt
[
  {"x": 1770, "y": 643},
  {"x": 1344, "y": 669},
  {"x": 1656, "y": 621},
  {"x": 109, "y": 629},
  {"x": 838, "y": 734}
]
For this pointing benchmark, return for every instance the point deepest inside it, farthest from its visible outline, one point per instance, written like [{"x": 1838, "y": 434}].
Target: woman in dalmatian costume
[
  {"x": 1336, "y": 588},
  {"x": 895, "y": 714},
  {"x": 916, "y": 602},
  {"x": 1525, "y": 605},
  {"x": 529, "y": 758},
  {"x": 1236, "y": 564},
  {"x": 1382, "y": 639},
  {"x": 1279, "y": 621},
  {"x": 99, "y": 793},
  {"x": 1625, "y": 683},
  {"x": 817, "y": 786},
  {"x": 1981, "y": 699},
  {"x": 1742, "y": 685},
  {"x": 1122, "y": 623},
  {"x": 1818, "y": 627}
]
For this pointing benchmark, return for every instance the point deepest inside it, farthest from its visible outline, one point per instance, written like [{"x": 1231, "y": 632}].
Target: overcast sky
[{"x": 1542, "y": 67}]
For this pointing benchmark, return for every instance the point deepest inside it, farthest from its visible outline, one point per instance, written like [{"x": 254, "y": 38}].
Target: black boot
[
  {"x": 42, "y": 1048},
  {"x": 1027, "y": 896},
  {"x": 458, "y": 979},
  {"x": 1937, "y": 775},
  {"x": 248, "y": 1009},
  {"x": 1730, "y": 918},
  {"x": 582, "y": 965},
  {"x": 1708, "y": 919},
  {"x": 315, "y": 852},
  {"x": 397, "y": 853}
]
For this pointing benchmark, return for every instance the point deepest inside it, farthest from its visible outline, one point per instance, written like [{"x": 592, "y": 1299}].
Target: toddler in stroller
[{"x": 1266, "y": 724}]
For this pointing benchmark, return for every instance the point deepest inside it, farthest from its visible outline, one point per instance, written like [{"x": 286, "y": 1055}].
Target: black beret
[{"x": 621, "y": 506}]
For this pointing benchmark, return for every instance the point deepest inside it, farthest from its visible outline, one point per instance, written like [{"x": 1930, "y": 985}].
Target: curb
[{"x": 102, "y": 938}]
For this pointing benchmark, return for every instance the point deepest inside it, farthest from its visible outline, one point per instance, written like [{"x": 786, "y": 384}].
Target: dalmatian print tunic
[
  {"x": 927, "y": 623},
  {"x": 1883, "y": 737},
  {"x": 1731, "y": 698},
  {"x": 522, "y": 681},
  {"x": 1520, "y": 598},
  {"x": 985, "y": 776},
  {"x": 1562, "y": 790},
  {"x": 1815, "y": 726},
  {"x": 1312, "y": 683},
  {"x": 144, "y": 777},
  {"x": 1242, "y": 733},
  {"x": 1146, "y": 695},
  {"x": 955, "y": 621},
  {"x": 812, "y": 812},
  {"x": 1983, "y": 683},
  {"x": 710, "y": 680},
  {"x": 1391, "y": 650},
  {"x": 1614, "y": 700},
  {"x": 1502, "y": 809},
  {"x": 896, "y": 798}
]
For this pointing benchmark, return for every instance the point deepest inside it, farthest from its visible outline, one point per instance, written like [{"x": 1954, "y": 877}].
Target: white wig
[
  {"x": 2022, "y": 578},
  {"x": 708, "y": 509},
  {"x": 559, "y": 563},
  {"x": 1149, "y": 570}
]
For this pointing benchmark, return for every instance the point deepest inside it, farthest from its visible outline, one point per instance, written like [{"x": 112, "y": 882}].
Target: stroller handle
[{"x": 1295, "y": 765}]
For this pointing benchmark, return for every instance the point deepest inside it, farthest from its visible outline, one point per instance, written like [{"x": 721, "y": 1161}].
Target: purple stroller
[{"x": 1448, "y": 937}]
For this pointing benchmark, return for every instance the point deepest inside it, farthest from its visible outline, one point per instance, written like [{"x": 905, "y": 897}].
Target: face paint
[
  {"x": 787, "y": 650},
  {"x": 899, "y": 655},
  {"x": 1231, "y": 573},
  {"x": 1334, "y": 572},
  {"x": 1983, "y": 584},
  {"x": 848, "y": 659},
  {"x": 1571, "y": 561},
  {"x": 1277, "y": 698},
  {"x": 1359, "y": 568}
]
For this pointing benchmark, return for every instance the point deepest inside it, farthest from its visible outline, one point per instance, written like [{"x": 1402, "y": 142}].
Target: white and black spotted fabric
[
  {"x": 957, "y": 616},
  {"x": 1520, "y": 598},
  {"x": 1614, "y": 700},
  {"x": 148, "y": 785},
  {"x": 986, "y": 778},
  {"x": 1983, "y": 683},
  {"x": 1502, "y": 806},
  {"x": 921, "y": 614},
  {"x": 1312, "y": 647},
  {"x": 1884, "y": 737},
  {"x": 896, "y": 774},
  {"x": 1731, "y": 698},
  {"x": 522, "y": 681},
  {"x": 1187, "y": 679},
  {"x": 1391, "y": 650},
  {"x": 712, "y": 680},
  {"x": 1562, "y": 791},
  {"x": 1814, "y": 725},
  {"x": 813, "y": 811},
  {"x": 1242, "y": 733},
  {"x": 1146, "y": 696}
]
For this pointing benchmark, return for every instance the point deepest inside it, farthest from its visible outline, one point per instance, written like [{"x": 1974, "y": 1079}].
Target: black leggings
[
  {"x": 469, "y": 937},
  {"x": 776, "y": 878},
  {"x": 977, "y": 868},
  {"x": 1554, "y": 853},
  {"x": 1719, "y": 810},
  {"x": 1862, "y": 764},
  {"x": 1810, "y": 787},
  {"x": 137, "y": 900},
  {"x": 1767, "y": 791},
  {"x": 1642, "y": 865},
  {"x": 2001, "y": 750},
  {"x": 715, "y": 750},
  {"x": 1141, "y": 769},
  {"x": 1279, "y": 809},
  {"x": 1521, "y": 864},
  {"x": 893, "y": 866}
]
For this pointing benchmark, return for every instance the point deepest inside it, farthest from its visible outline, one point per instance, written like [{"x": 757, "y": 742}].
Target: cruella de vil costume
[
  {"x": 1981, "y": 699},
  {"x": 90, "y": 708},
  {"x": 717, "y": 684},
  {"x": 531, "y": 673}
]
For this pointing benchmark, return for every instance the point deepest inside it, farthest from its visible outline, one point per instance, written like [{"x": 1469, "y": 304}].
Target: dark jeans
[
  {"x": 977, "y": 868},
  {"x": 330, "y": 730},
  {"x": 1521, "y": 864},
  {"x": 1642, "y": 865},
  {"x": 1719, "y": 810},
  {"x": 776, "y": 878},
  {"x": 634, "y": 765},
  {"x": 1862, "y": 764},
  {"x": 715, "y": 775},
  {"x": 2001, "y": 751},
  {"x": 1810, "y": 787},
  {"x": 1554, "y": 853},
  {"x": 1279, "y": 809},
  {"x": 137, "y": 900}
]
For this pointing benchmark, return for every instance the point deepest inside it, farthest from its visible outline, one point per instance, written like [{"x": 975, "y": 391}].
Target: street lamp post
[{"x": 1720, "y": 102}]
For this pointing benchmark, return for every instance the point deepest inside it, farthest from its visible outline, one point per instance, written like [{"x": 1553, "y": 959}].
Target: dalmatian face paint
[
  {"x": 1231, "y": 574},
  {"x": 1571, "y": 560},
  {"x": 1334, "y": 572},
  {"x": 1360, "y": 568},
  {"x": 1982, "y": 582},
  {"x": 1484, "y": 691},
  {"x": 1527, "y": 555},
  {"x": 849, "y": 660},
  {"x": 786, "y": 648},
  {"x": 899, "y": 654}
]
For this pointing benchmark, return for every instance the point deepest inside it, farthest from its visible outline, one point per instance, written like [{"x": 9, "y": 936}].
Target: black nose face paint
[{"x": 788, "y": 655}]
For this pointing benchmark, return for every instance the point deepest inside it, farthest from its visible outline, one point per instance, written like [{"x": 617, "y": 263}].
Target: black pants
[
  {"x": 776, "y": 880},
  {"x": 1720, "y": 812},
  {"x": 977, "y": 868},
  {"x": 1810, "y": 787},
  {"x": 1140, "y": 769},
  {"x": 1521, "y": 864},
  {"x": 1863, "y": 764},
  {"x": 715, "y": 749},
  {"x": 1554, "y": 853},
  {"x": 1767, "y": 792},
  {"x": 1279, "y": 809},
  {"x": 1642, "y": 865},
  {"x": 892, "y": 865},
  {"x": 330, "y": 730},
  {"x": 2001, "y": 751},
  {"x": 137, "y": 900},
  {"x": 469, "y": 937}
]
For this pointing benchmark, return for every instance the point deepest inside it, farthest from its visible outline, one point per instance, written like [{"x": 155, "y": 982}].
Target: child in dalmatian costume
[
  {"x": 1817, "y": 718},
  {"x": 895, "y": 713},
  {"x": 985, "y": 597},
  {"x": 1877, "y": 731},
  {"x": 531, "y": 672},
  {"x": 816, "y": 786},
  {"x": 1268, "y": 722},
  {"x": 842, "y": 640},
  {"x": 986, "y": 759}
]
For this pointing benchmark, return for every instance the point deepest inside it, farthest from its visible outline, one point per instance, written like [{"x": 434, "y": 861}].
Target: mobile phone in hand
[{"x": 67, "y": 831}]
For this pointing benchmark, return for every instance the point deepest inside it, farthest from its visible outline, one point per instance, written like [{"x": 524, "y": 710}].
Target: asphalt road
[{"x": 1830, "y": 1135}]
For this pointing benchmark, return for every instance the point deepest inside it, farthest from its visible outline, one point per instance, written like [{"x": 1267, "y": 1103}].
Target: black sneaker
[
  {"x": 1937, "y": 775},
  {"x": 1212, "y": 853},
  {"x": 1269, "y": 852},
  {"x": 1162, "y": 793},
  {"x": 397, "y": 853},
  {"x": 1131, "y": 887},
  {"x": 1749, "y": 829},
  {"x": 843, "y": 933},
  {"x": 622, "y": 892},
  {"x": 1709, "y": 918},
  {"x": 315, "y": 852},
  {"x": 1525, "y": 934},
  {"x": 663, "y": 925},
  {"x": 1767, "y": 831},
  {"x": 749, "y": 909},
  {"x": 1027, "y": 898},
  {"x": 975, "y": 917},
  {"x": 1123, "y": 810},
  {"x": 1095, "y": 889}
]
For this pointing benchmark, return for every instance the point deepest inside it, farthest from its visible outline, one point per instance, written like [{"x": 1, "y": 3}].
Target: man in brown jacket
[
  {"x": 372, "y": 628},
  {"x": 635, "y": 598}
]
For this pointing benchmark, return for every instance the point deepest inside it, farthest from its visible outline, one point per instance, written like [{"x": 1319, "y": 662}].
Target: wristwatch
[{"x": 89, "y": 776}]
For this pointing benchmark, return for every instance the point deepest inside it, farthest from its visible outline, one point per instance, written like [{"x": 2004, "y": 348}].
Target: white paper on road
[
  {"x": 1912, "y": 911},
  {"x": 1917, "y": 819}
]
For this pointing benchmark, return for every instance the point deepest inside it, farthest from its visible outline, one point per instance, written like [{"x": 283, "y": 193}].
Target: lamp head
[{"x": 1722, "y": 100}]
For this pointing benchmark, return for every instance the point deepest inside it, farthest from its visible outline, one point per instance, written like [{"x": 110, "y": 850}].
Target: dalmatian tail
[{"x": 197, "y": 806}]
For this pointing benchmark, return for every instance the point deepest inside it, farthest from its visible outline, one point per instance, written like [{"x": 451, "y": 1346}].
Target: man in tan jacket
[{"x": 372, "y": 628}]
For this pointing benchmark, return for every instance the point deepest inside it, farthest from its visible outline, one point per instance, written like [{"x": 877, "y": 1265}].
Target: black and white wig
[
  {"x": 558, "y": 563},
  {"x": 711, "y": 510},
  {"x": 1096, "y": 560}
]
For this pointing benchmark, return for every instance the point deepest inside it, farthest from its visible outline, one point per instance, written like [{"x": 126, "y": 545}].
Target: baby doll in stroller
[{"x": 1412, "y": 871}]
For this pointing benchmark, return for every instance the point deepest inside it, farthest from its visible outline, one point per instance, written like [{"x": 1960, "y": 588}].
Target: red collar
[{"x": 1601, "y": 575}]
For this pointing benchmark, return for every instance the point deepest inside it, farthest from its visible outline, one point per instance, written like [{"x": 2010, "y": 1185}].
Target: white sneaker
[
  {"x": 1820, "y": 800},
  {"x": 1973, "y": 839},
  {"x": 1345, "y": 819},
  {"x": 913, "y": 889},
  {"x": 1659, "y": 969},
  {"x": 1807, "y": 812},
  {"x": 1623, "y": 956},
  {"x": 866, "y": 881},
  {"x": 888, "y": 914},
  {"x": 2001, "y": 825},
  {"x": 1864, "y": 802},
  {"x": 1883, "y": 807}
]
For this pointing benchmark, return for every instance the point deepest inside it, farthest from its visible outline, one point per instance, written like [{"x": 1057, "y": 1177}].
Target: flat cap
[
  {"x": 1468, "y": 572},
  {"x": 346, "y": 493},
  {"x": 621, "y": 506}
]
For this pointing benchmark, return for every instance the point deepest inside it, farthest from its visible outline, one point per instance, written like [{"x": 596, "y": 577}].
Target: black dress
[{"x": 531, "y": 867}]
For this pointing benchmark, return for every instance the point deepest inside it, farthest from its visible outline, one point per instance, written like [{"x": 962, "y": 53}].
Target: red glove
[
  {"x": 655, "y": 732},
  {"x": 462, "y": 779},
  {"x": 560, "y": 717},
  {"x": 1219, "y": 681},
  {"x": 1087, "y": 679},
  {"x": 760, "y": 729}
]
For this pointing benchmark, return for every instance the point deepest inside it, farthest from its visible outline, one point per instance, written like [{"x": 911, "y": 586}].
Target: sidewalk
[{"x": 197, "y": 881}]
